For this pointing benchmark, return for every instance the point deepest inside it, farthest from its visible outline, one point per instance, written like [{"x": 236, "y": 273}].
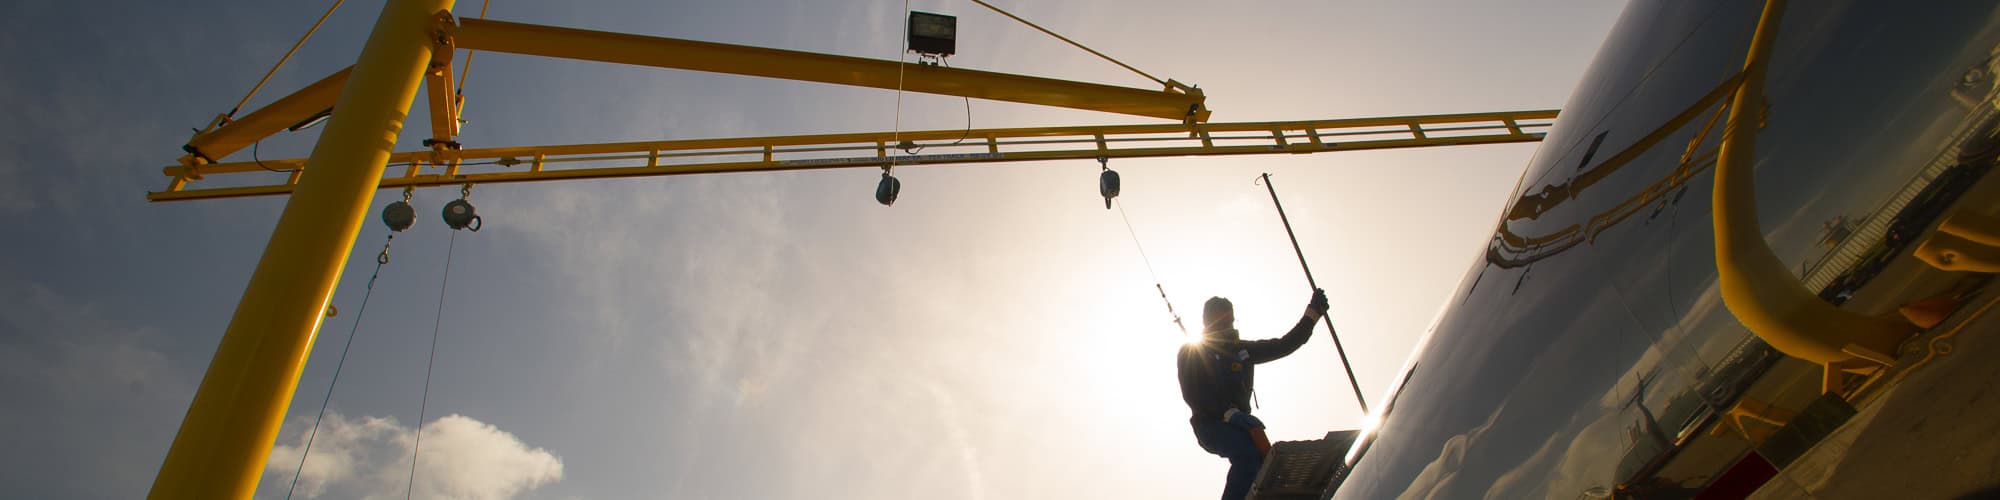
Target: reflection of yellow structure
[
  {"x": 1929, "y": 312},
  {"x": 1965, "y": 241},
  {"x": 1741, "y": 417},
  {"x": 1982, "y": 228},
  {"x": 1756, "y": 286},
  {"x": 1513, "y": 250}
]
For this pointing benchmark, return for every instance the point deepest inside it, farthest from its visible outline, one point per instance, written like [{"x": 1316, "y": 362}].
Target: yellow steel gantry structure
[{"x": 223, "y": 442}]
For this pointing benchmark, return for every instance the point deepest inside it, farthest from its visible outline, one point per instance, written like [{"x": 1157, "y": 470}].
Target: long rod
[
  {"x": 1309, "y": 281},
  {"x": 225, "y": 439}
]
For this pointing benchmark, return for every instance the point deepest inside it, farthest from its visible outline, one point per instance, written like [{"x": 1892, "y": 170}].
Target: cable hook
[{"x": 382, "y": 258}]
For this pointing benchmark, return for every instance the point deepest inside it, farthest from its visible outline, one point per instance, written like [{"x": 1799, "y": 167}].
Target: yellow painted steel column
[
  {"x": 229, "y": 428},
  {"x": 1756, "y": 286}
]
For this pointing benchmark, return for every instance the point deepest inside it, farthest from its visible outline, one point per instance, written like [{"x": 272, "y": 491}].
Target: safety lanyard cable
[
  {"x": 896, "y": 132},
  {"x": 1149, "y": 268},
  {"x": 424, "y": 404},
  {"x": 1069, "y": 41},
  {"x": 287, "y": 57},
  {"x": 380, "y": 260}
]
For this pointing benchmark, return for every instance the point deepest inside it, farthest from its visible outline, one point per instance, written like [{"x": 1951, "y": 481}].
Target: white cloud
[{"x": 368, "y": 457}]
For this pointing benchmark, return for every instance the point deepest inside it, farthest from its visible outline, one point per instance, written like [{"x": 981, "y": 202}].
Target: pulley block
[
  {"x": 886, "y": 191},
  {"x": 399, "y": 215},
  {"x": 1107, "y": 186},
  {"x": 459, "y": 215}
]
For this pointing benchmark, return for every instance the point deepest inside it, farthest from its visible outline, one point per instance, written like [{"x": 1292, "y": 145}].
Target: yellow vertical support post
[
  {"x": 229, "y": 429},
  {"x": 1757, "y": 287}
]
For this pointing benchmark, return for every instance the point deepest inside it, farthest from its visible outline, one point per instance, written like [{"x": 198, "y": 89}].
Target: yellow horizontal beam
[
  {"x": 570, "y": 43},
  {"x": 812, "y": 152}
]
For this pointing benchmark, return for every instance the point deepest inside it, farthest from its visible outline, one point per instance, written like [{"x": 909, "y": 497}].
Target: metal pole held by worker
[
  {"x": 1328, "y": 318},
  {"x": 223, "y": 442}
]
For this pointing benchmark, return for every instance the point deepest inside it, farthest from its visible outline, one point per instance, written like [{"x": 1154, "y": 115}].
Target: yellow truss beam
[{"x": 810, "y": 152}]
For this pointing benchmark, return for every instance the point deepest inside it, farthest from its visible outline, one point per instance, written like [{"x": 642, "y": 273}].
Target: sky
[{"x": 995, "y": 334}]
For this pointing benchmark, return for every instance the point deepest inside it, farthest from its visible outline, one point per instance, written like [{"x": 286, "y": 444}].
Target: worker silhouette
[{"x": 1217, "y": 376}]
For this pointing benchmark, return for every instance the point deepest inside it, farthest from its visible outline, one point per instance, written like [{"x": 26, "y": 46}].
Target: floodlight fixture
[{"x": 933, "y": 34}]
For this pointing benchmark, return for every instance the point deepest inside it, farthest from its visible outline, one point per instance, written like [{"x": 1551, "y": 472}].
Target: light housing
[{"x": 933, "y": 34}]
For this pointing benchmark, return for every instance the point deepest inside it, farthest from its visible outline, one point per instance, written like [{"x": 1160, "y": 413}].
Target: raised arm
[{"x": 1263, "y": 351}]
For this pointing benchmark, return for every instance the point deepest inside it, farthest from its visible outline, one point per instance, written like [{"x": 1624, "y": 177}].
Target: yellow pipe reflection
[{"x": 1756, "y": 286}]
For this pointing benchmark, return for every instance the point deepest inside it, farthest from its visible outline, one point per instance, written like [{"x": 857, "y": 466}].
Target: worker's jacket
[{"x": 1219, "y": 372}]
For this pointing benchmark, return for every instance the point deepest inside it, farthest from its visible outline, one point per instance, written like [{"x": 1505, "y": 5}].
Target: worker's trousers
[{"x": 1233, "y": 443}]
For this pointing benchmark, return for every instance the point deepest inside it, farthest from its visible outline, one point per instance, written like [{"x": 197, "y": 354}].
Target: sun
[{"x": 1192, "y": 337}]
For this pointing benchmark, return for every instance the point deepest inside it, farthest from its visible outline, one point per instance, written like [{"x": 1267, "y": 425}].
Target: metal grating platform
[{"x": 1303, "y": 470}]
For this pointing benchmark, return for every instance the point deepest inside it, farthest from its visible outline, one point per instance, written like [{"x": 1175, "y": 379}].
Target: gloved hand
[
  {"x": 1242, "y": 419},
  {"x": 1318, "y": 306}
]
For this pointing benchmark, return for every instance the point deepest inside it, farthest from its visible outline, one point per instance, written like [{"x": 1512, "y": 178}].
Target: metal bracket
[{"x": 444, "y": 32}]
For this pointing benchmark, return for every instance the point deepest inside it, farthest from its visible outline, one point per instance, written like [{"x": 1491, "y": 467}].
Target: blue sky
[{"x": 993, "y": 335}]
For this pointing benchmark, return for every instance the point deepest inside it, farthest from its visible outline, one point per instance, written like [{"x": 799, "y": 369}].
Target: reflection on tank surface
[
  {"x": 1588, "y": 353},
  {"x": 1509, "y": 249}
]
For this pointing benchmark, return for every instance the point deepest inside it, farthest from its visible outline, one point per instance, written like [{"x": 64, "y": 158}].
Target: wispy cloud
[
  {"x": 84, "y": 390},
  {"x": 957, "y": 438},
  {"x": 368, "y": 457}
]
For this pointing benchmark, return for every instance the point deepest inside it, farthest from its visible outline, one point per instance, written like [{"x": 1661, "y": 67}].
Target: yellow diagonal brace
[{"x": 284, "y": 112}]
